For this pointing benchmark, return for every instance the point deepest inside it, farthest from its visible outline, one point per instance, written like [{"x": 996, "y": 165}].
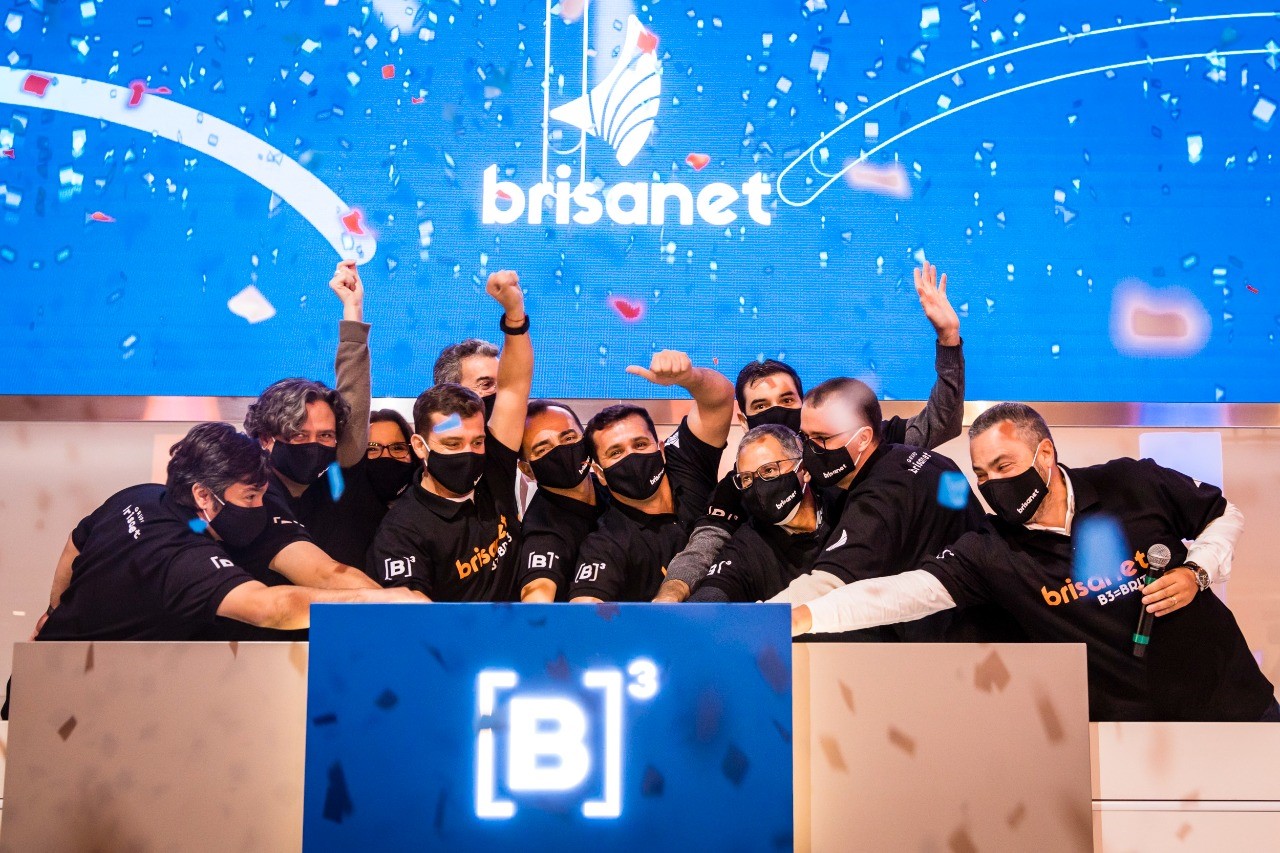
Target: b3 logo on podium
[{"x": 555, "y": 744}]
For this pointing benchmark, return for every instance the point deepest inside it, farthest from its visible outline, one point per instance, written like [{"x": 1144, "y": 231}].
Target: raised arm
[
  {"x": 304, "y": 564},
  {"x": 351, "y": 364},
  {"x": 61, "y": 580},
  {"x": 515, "y": 365},
  {"x": 712, "y": 393},
  {"x": 289, "y": 607},
  {"x": 873, "y": 602},
  {"x": 942, "y": 417}
]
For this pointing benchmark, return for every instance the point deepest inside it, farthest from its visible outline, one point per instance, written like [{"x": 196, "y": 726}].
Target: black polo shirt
[
  {"x": 626, "y": 558},
  {"x": 1198, "y": 665},
  {"x": 343, "y": 529},
  {"x": 142, "y": 573},
  {"x": 553, "y": 528},
  {"x": 891, "y": 520},
  {"x": 453, "y": 550}
]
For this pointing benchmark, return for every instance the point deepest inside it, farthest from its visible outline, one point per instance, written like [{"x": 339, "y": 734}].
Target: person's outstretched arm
[
  {"x": 712, "y": 393},
  {"x": 872, "y": 602},
  {"x": 942, "y": 417},
  {"x": 515, "y": 365},
  {"x": 351, "y": 365}
]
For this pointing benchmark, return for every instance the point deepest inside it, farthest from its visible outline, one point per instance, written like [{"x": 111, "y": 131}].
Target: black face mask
[
  {"x": 1016, "y": 499},
  {"x": 457, "y": 472},
  {"x": 789, "y": 418},
  {"x": 562, "y": 467},
  {"x": 488, "y": 401},
  {"x": 774, "y": 501},
  {"x": 388, "y": 477},
  {"x": 827, "y": 467},
  {"x": 302, "y": 463},
  {"x": 637, "y": 475},
  {"x": 239, "y": 526}
]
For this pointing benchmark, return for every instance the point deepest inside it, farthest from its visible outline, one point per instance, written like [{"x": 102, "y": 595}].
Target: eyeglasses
[
  {"x": 766, "y": 472},
  {"x": 820, "y": 445},
  {"x": 399, "y": 450}
]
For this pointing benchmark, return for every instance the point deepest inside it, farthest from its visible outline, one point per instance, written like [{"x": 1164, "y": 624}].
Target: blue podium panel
[{"x": 540, "y": 727}]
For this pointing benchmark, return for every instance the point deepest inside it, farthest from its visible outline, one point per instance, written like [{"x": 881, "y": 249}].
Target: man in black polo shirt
[
  {"x": 452, "y": 535},
  {"x": 1198, "y": 665},
  {"x": 565, "y": 508},
  {"x": 152, "y": 562},
  {"x": 657, "y": 489},
  {"x": 890, "y": 517},
  {"x": 770, "y": 392}
]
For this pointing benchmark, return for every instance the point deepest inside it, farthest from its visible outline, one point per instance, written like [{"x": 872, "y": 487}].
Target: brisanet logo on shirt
[
  {"x": 557, "y": 749},
  {"x": 1102, "y": 588},
  {"x": 619, "y": 111}
]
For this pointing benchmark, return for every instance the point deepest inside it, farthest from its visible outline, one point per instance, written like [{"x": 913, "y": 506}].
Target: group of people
[{"x": 829, "y": 507}]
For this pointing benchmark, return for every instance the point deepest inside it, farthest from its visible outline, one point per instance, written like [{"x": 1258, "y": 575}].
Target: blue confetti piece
[
  {"x": 454, "y": 421},
  {"x": 198, "y": 525},
  {"x": 1100, "y": 551},
  {"x": 953, "y": 490},
  {"x": 336, "y": 484}
]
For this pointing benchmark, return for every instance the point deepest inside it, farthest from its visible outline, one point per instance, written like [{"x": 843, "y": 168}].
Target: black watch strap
[{"x": 522, "y": 329}]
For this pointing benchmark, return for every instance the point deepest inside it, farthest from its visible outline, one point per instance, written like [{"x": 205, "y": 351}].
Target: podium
[{"x": 212, "y": 746}]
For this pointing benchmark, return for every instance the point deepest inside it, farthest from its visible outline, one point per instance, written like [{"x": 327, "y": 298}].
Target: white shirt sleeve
[
  {"x": 879, "y": 601},
  {"x": 1215, "y": 546},
  {"x": 807, "y": 587}
]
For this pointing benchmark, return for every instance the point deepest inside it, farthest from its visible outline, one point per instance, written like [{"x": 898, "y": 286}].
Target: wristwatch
[
  {"x": 521, "y": 329},
  {"x": 1202, "y": 576}
]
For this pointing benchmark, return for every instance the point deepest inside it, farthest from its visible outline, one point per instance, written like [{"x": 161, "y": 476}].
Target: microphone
[{"x": 1158, "y": 557}]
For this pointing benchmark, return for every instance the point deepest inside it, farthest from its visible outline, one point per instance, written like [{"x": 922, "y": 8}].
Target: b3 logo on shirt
[
  {"x": 555, "y": 746},
  {"x": 718, "y": 568},
  {"x": 399, "y": 568},
  {"x": 543, "y": 560},
  {"x": 588, "y": 572},
  {"x": 222, "y": 563}
]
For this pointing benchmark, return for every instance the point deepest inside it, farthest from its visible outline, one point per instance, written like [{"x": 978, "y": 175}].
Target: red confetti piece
[
  {"x": 388, "y": 71},
  {"x": 698, "y": 161},
  {"x": 715, "y": 360},
  {"x": 647, "y": 42},
  {"x": 504, "y": 195},
  {"x": 138, "y": 88},
  {"x": 36, "y": 84},
  {"x": 416, "y": 100},
  {"x": 99, "y": 216},
  {"x": 8, "y": 152},
  {"x": 352, "y": 222},
  {"x": 627, "y": 310},
  {"x": 1251, "y": 288}
]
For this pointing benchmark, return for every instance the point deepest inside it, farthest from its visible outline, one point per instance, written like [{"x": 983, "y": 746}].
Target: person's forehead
[
  {"x": 319, "y": 413},
  {"x": 1000, "y": 439},
  {"x": 757, "y": 453},
  {"x": 626, "y": 429},
  {"x": 385, "y": 430},
  {"x": 467, "y": 427},
  {"x": 831, "y": 416},
  {"x": 554, "y": 419},
  {"x": 770, "y": 386},
  {"x": 479, "y": 364}
]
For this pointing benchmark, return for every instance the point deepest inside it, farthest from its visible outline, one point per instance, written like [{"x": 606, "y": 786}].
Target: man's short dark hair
[
  {"x": 391, "y": 416},
  {"x": 1026, "y": 421},
  {"x": 281, "y": 409},
  {"x": 540, "y": 405},
  {"x": 789, "y": 441},
  {"x": 857, "y": 397},
  {"x": 449, "y": 364},
  {"x": 446, "y": 399},
  {"x": 609, "y": 416},
  {"x": 217, "y": 456},
  {"x": 757, "y": 370}
]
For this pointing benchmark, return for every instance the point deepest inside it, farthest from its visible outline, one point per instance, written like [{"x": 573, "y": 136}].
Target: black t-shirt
[
  {"x": 626, "y": 558},
  {"x": 760, "y": 560},
  {"x": 552, "y": 530},
  {"x": 142, "y": 573},
  {"x": 891, "y": 519},
  {"x": 343, "y": 529},
  {"x": 1198, "y": 665},
  {"x": 453, "y": 550}
]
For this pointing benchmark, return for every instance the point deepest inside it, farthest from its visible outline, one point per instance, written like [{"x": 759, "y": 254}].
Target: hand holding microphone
[{"x": 1158, "y": 556}]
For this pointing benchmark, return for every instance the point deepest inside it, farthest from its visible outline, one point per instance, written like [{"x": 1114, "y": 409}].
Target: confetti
[
  {"x": 627, "y": 310},
  {"x": 890, "y": 180},
  {"x": 198, "y": 525},
  {"x": 251, "y": 305},
  {"x": 99, "y": 216},
  {"x": 352, "y": 222},
  {"x": 35, "y": 84},
  {"x": 1251, "y": 288},
  {"x": 65, "y": 730},
  {"x": 138, "y": 88},
  {"x": 991, "y": 673},
  {"x": 953, "y": 490},
  {"x": 735, "y": 765},
  {"x": 417, "y": 100},
  {"x": 454, "y": 421},
  {"x": 831, "y": 749},
  {"x": 647, "y": 42},
  {"x": 386, "y": 700},
  {"x": 388, "y": 71},
  {"x": 8, "y": 152},
  {"x": 698, "y": 161},
  {"x": 336, "y": 484},
  {"x": 1099, "y": 550},
  {"x": 337, "y": 798},
  {"x": 902, "y": 741}
]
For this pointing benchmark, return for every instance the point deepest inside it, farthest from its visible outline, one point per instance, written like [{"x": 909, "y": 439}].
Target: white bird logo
[{"x": 621, "y": 109}]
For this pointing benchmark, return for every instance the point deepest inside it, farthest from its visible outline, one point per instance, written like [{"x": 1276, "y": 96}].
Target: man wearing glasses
[{"x": 888, "y": 516}]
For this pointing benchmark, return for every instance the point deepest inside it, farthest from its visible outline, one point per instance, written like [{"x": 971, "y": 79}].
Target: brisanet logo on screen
[
  {"x": 545, "y": 747},
  {"x": 620, "y": 111}
]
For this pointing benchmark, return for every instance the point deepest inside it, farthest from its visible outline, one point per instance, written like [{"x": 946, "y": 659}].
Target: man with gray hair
[
  {"x": 473, "y": 364},
  {"x": 1196, "y": 664}
]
